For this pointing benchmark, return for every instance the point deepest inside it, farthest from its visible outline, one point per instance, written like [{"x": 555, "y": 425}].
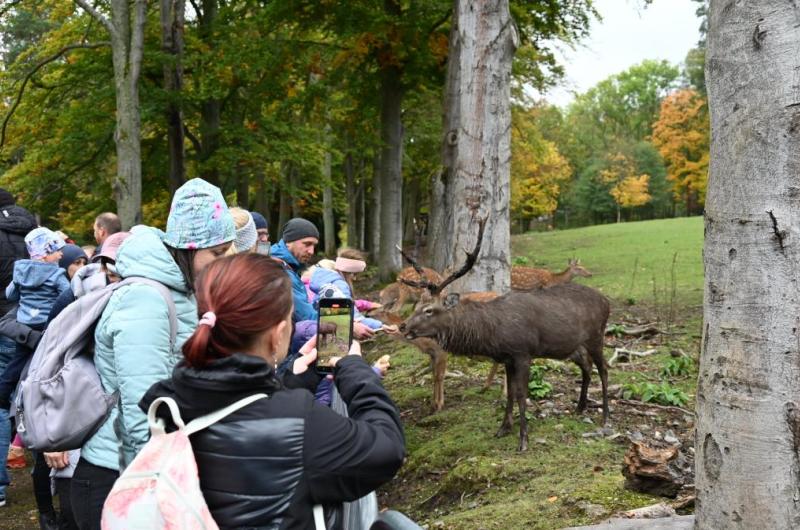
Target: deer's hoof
[
  {"x": 523, "y": 446},
  {"x": 502, "y": 431}
]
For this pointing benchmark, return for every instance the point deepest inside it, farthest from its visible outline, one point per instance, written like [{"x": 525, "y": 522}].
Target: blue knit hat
[
  {"x": 259, "y": 220},
  {"x": 199, "y": 217},
  {"x": 42, "y": 241}
]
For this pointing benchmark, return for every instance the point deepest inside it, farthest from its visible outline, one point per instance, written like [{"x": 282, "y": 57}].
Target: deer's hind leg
[
  {"x": 595, "y": 350},
  {"x": 581, "y": 358},
  {"x": 518, "y": 388},
  {"x": 505, "y": 426}
]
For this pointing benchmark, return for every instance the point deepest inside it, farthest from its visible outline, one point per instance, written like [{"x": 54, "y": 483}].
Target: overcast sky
[{"x": 627, "y": 35}]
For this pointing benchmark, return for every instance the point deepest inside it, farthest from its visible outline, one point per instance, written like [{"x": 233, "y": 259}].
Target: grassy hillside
[
  {"x": 630, "y": 261},
  {"x": 459, "y": 476}
]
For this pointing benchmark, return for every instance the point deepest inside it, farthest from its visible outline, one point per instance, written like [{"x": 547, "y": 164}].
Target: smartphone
[{"x": 334, "y": 331}]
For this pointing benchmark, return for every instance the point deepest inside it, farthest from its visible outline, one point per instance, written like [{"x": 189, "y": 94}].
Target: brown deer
[
  {"x": 565, "y": 322},
  {"x": 397, "y": 294},
  {"x": 527, "y": 278}
]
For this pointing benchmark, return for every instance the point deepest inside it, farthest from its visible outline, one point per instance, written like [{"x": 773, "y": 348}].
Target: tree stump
[{"x": 657, "y": 468}]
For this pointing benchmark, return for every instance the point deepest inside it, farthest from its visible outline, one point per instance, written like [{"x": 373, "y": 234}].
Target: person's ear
[{"x": 276, "y": 337}]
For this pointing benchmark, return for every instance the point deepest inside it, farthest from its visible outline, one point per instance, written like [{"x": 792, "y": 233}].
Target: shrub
[
  {"x": 662, "y": 393},
  {"x": 519, "y": 260},
  {"x": 538, "y": 388},
  {"x": 677, "y": 366}
]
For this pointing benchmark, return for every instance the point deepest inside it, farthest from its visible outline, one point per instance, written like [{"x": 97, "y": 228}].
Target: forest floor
[{"x": 458, "y": 476}]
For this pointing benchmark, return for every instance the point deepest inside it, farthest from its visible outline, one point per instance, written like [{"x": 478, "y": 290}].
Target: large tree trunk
[
  {"x": 210, "y": 109},
  {"x": 748, "y": 396},
  {"x": 127, "y": 44},
  {"x": 353, "y": 201},
  {"x": 172, "y": 21},
  {"x": 391, "y": 176},
  {"x": 328, "y": 222},
  {"x": 474, "y": 183},
  {"x": 375, "y": 209}
]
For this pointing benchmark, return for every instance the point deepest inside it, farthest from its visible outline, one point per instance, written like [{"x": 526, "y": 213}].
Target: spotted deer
[
  {"x": 395, "y": 295},
  {"x": 527, "y": 278}
]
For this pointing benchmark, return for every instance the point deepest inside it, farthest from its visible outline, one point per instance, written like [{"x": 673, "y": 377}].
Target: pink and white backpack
[{"x": 161, "y": 487}]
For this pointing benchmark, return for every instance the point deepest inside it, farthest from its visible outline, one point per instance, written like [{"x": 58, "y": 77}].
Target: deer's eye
[{"x": 428, "y": 311}]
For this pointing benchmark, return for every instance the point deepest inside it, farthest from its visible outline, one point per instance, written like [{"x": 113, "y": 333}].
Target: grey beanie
[{"x": 299, "y": 228}]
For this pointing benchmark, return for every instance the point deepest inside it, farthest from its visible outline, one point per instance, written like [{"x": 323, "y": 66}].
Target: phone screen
[{"x": 334, "y": 330}]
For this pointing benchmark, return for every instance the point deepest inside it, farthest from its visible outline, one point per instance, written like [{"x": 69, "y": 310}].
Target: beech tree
[
  {"x": 126, "y": 31},
  {"x": 477, "y": 155},
  {"x": 748, "y": 396}
]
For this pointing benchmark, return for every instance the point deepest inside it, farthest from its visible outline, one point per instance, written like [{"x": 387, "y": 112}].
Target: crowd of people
[{"x": 240, "y": 319}]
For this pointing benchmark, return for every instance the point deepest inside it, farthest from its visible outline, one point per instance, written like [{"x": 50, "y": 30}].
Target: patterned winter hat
[
  {"x": 246, "y": 236},
  {"x": 199, "y": 217},
  {"x": 42, "y": 241}
]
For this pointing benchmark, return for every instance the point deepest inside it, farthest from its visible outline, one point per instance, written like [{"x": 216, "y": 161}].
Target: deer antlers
[{"x": 468, "y": 264}]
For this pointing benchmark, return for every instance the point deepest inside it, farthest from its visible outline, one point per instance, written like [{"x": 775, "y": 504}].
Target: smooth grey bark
[
  {"x": 211, "y": 108},
  {"x": 375, "y": 209},
  {"x": 355, "y": 195},
  {"x": 126, "y": 31},
  {"x": 474, "y": 183},
  {"x": 748, "y": 396},
  {"x": 172, "y": 27},
  {"x": 391, "y": 174},
  {"x": 328, "y": 221}
]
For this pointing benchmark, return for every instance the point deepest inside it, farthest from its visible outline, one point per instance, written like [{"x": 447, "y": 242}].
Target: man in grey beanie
[{"x": 297, "y": 244}]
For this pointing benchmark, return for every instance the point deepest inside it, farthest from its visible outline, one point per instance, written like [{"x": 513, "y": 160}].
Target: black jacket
[
  {"x": 15, "y": 223},
  {"x": 266, "y": 465}
]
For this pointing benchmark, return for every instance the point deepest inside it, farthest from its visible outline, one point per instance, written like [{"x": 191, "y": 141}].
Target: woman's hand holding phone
[{"x": 308, "y": 354}]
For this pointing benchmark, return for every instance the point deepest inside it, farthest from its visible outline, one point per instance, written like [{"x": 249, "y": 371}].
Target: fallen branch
[
  {"x": 673, "y": 408},
  {"x": 635, "y": 331},
  {"x": 624, "y": 355}
]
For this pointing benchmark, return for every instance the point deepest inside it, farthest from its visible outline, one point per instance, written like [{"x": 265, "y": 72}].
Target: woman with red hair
[{"x": 268, "y": 464}]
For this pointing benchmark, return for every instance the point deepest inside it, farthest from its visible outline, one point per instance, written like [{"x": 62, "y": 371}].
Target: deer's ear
[{"x": 451, "y": 300}]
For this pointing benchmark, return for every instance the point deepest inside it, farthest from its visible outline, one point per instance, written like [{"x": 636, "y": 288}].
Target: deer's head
[
  {"x": 429, "y": 319},
  {"x": 577, "y": 269}
]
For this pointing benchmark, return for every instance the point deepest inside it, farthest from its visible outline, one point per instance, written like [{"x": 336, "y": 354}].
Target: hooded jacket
[
  {"x": 15, "y": 222},
  {"x": 36, "y": 285},
  {"x": 132, "y": 348},
  {"x": 266, "y": 465},
  {"x": 303, "y": 310}
]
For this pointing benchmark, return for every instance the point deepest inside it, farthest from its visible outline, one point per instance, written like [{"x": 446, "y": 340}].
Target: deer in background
[
  {"x": 527, "y": 278},
  {"x": 395, "y": 295}
]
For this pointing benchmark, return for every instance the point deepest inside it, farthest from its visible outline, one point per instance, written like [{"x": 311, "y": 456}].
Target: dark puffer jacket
[
  {"x": 15, "y": 223},
  {"x": 266, "y": 465}
]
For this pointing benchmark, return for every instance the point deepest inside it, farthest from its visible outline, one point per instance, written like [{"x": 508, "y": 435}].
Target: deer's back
[
  {"x": 527, "y": 278},
  {"x": 551, "y": 322}
]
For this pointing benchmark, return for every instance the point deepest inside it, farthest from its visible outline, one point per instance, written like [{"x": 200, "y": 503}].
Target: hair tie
[{"x": 209, "y": 319}]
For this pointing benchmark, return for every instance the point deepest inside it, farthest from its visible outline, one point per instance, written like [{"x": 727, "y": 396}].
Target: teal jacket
[
  {"x": 303, "y": 310},
  {"x": 132, "y": 344}
]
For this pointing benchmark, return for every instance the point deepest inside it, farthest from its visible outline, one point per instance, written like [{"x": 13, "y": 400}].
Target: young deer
[
  {"x": 527, "y": 278},
  {"x": 396, "y": 294}
]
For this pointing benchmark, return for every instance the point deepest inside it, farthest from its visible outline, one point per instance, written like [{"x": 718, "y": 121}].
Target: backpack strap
[
  {"x": 198, "y": 424},
  {"x": 156, "y": 424},
  {"x": 166, "y": 295}
]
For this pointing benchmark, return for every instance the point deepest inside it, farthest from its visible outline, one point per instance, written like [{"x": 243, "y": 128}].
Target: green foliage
[
  {"x": 538, "y": 388},
  {"x": 617, "y": 330},
  {"x": 662, "y": 393},
  {"x": 677, "y": 367},
  {"x": 520, "y": 260}
]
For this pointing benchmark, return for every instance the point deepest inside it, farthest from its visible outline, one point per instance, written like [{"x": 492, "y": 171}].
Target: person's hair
[
  {"x": 184, "y": 259},
  {"x": 351, "y": 253},
  {"x": 110, "y": 222},
  {"x": 249, "y": 294},
  {"x": 240, "y": 216}
]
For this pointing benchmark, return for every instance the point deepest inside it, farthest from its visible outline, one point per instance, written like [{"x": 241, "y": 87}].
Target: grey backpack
[{"x": 61, "y": 402}]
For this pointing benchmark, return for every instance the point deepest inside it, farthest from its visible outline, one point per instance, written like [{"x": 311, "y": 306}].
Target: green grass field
[
  {"x": 459, "y": 476},
  {"x": 629, "y": 260}
]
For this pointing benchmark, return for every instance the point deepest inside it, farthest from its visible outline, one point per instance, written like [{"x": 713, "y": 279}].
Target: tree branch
[
  {"x": 86, "y": 6},
  {"x": 30, "y": 74},
  {"x": 91, "y": 159},
  {"x": 197, "y": 12},
  {"x": 192, "y": 138}
]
